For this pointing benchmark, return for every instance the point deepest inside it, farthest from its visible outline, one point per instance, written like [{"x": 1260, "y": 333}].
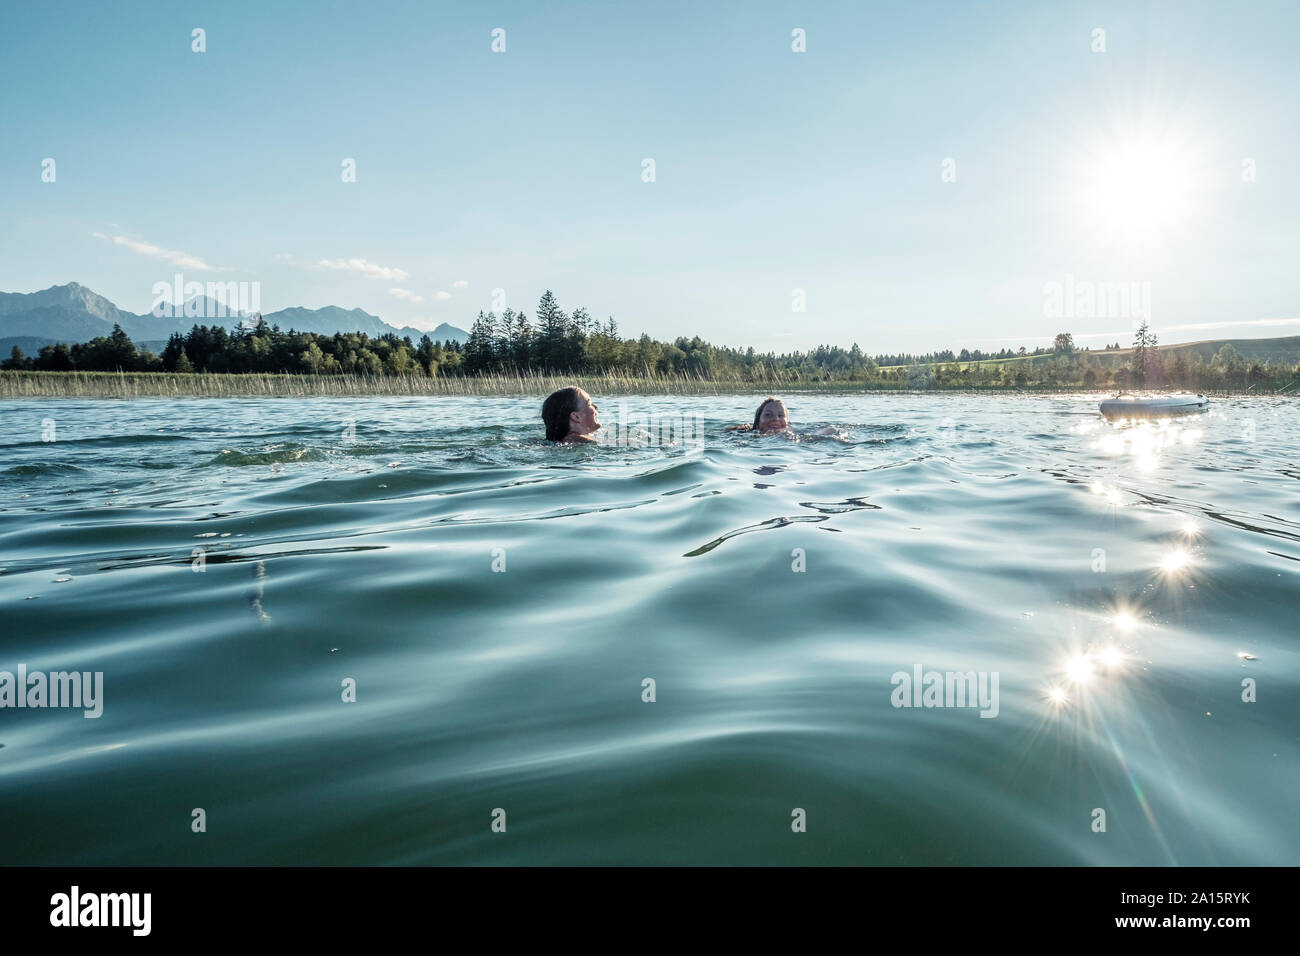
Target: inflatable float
[{"x": 1126, "y": 405}]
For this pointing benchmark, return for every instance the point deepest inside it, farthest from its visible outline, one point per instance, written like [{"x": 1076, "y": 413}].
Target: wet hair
[
  {"x": 759, "y": 414},
  {"x": 557, "y": 408}
]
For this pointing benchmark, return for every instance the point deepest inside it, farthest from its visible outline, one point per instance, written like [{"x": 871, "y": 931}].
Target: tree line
[
  {"x": 257, "y": 348},
  {"x": 556, "y": 342}
]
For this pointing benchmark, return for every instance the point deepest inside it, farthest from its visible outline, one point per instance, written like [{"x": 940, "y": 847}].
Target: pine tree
[
  {"x": 551, "y": 322},
  {"x": 490, "y": 330},
  {"x": 424, "y": 354},
  {"x": 525, "y": 343},
  {"x": 121, "y": 352},
  {"x": 506, "y": 338},
  {"x": 481, "y": 345},
  {"x": 1144, "y": 347},
  {"x": 575, "y": 340},
  {"x": 172, "y": 351}
]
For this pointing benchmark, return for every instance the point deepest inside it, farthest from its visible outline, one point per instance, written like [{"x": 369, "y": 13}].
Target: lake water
[{"x": 499, "y": 604}]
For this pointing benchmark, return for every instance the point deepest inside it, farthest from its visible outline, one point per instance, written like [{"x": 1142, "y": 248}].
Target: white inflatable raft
[{"x": 1135, "y": 406}]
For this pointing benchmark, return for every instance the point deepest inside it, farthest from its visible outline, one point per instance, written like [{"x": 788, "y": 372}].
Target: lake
[{"x": 924, "y": 629}]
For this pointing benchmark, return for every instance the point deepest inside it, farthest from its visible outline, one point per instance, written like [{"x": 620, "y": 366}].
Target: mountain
[
  {"x": 449, "y": 333},
  {"x": 30, "y": 345},
  {"x": 65, "y": 313},
  {"x": 332, "y": 319},
  {"x": 73, "y": 313}
]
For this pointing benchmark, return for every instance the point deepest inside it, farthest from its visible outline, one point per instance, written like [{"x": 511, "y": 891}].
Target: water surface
[{"x": 499, "y": 603}]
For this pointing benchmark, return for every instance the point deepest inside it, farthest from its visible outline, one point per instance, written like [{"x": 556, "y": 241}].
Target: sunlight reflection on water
[{"x": 500, "y": 603}]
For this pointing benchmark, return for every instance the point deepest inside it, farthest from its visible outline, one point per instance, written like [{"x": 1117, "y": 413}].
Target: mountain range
[{"x": 73, "y": 313}]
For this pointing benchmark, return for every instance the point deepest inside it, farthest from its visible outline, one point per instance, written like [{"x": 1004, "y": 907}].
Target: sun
[
  {"x": 1139, "y": 187},
  {"x": 1143, "y": 188}
]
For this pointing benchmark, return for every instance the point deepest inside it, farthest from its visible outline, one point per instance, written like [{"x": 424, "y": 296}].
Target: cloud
[
  {"x": 460, "y": 284},
  {"x": 371, "y": 270},
  {"x": 182, "y": 259},
  {"x": 1225, "y": 325},
  {"x": 1048, "y": 338},
  {"x": 442, "y": 296},
  {"x": 406, "y": 295},
  {"x": 1158, "y": 329}
]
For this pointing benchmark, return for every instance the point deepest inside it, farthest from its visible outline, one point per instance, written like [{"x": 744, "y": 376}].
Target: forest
[{"x": 554, "y": 342}]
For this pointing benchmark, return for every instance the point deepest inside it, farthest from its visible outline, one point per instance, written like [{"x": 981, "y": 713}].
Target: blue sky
[{"x": 775, "y": 170}]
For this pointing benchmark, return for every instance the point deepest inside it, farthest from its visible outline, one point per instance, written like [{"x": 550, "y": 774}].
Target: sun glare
[
  {"x": 1139, "y": 187},
  {"x": 1079, "y": 669},
  {"x": 1111, "y": 657}
]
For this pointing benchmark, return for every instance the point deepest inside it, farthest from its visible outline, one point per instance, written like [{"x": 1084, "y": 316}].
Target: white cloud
[
  {"x": 1225, "y": 325},
  {"x": 406, "y": 295},
  {"x": 371, "y": 270},
  {"x": 182, "y": 259},
  {"x": 460, "y": 284},
  {"x": 1158, "y": 329},
  {"x": 442, "y": 296}
]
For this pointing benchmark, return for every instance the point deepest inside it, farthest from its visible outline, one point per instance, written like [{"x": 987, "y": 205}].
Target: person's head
[
  {"x": 569, "y": 411},
  {"x": 771, "y": 416}
]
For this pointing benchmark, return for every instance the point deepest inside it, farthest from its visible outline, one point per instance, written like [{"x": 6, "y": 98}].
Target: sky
[{"x": 920, "y": 176}]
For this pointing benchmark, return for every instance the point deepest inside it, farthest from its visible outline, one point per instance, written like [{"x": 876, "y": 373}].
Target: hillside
[{"x": 1285, "y": 349}]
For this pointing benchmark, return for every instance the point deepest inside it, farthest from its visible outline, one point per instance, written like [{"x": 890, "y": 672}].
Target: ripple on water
[{"x": 501, "y": 604}]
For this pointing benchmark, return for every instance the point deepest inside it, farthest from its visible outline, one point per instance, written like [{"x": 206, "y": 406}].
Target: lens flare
[
  {"x": 1111, "y": 657},
  {"x": 1079, "y": 669}
]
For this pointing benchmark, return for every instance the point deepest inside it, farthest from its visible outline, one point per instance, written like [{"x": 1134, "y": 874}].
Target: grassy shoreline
[{"x": 124, "y": 385}]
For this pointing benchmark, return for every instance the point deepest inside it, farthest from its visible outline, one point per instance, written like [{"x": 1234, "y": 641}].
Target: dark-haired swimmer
[
  {"x": 771, "y": 417},
  {"x": 570, "y": 416}
]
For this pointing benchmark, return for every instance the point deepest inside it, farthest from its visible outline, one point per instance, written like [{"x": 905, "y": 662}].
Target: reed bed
[
  {"x": 214, "y": 385},
  {"x": 18, "y": 384}
]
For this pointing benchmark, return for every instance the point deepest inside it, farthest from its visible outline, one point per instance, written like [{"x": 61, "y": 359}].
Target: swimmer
[
  {"x": 771, "y": 417},
  {"x": 570, "y": 416}
]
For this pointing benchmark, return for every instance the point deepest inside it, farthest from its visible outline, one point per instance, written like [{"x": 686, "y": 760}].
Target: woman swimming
[
  {"x": 771, "y": 417},
  {"x": 570, "y": 416}
]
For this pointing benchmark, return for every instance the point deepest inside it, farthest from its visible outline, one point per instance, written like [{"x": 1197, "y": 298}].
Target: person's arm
[{"x": 740, "y": 428}]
